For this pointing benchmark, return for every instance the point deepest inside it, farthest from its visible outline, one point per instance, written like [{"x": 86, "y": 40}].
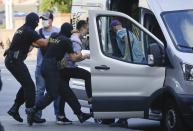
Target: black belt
[{"x": 15, "y": 55}]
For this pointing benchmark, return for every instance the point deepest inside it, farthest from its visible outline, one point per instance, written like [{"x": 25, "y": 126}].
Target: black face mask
[
  {"x": 66, "y": 29},
  {"x": 32, "y": 20}
]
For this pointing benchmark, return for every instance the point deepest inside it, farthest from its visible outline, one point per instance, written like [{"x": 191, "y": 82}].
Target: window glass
[{"x": 122, "y": 40}]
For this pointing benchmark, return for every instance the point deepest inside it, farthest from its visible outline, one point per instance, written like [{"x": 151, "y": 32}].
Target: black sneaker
[
  {"x": 83, "y": 117},
  {"x": 39, "y": 120},
  {"x": 62, "y": 121}
]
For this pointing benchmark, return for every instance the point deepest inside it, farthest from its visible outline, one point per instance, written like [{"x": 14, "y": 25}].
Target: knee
[{"x": 53, "y": 95}]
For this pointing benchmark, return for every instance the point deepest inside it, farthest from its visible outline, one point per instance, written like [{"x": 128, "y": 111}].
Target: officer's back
[
  {"x": 22, "y": 40},
  {"x": 58, "y": 45}
]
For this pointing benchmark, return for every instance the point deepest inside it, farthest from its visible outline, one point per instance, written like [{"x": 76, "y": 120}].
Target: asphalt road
[{"x": 10, "y": 87}]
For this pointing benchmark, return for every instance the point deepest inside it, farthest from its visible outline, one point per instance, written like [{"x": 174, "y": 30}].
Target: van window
[
  {"x": 122, "y": 40},
  {"x": 151, "y": 23}
]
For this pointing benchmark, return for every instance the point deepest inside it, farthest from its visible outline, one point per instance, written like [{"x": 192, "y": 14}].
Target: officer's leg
[
  {"x": 61, "y": 118},
  {"x": 28, "y": 85},
  {"x": 14, "y": 110},
  {"x": 51, "y": 81},
  {"x": 70, "y": 98},
  {"x": 20, "y": 97},
  {"x": 51, "y": 84},
  {"x": 13, "y": 68},
  {"x": 80, "y": 74},
  {"x": 21, "y": 73},
  {"x": 62, "y": 100}
]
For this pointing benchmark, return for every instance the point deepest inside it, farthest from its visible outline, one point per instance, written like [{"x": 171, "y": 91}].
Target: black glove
[{"x": 5, "y": 53}]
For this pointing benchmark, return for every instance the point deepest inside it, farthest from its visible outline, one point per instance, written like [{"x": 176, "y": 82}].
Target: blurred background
[{"x": 13, "y": 12}]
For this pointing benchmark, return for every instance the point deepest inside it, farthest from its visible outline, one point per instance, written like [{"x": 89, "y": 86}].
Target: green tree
[{"x": 55, "y": 5}]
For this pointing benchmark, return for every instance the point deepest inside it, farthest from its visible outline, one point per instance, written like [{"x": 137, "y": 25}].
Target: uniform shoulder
[
  {"x": 54, "y": 35},
  {"x": 56, "y": 29}
]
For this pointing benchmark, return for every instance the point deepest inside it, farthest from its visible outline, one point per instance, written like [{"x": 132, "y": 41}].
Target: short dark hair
[{"x": 81, "y": 24}]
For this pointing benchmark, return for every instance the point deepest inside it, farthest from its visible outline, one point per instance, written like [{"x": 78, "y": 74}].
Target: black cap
[{"x": 47, "y": 15}]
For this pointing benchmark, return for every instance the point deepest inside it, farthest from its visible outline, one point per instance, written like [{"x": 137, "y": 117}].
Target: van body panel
[{"x": 175, "y": 75}]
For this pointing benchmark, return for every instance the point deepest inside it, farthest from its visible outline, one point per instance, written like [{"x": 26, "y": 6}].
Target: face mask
[{"x": 45, "y": 23}]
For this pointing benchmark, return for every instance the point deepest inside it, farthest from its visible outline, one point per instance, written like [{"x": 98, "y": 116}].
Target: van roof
[{"x": 170, "y": 5}]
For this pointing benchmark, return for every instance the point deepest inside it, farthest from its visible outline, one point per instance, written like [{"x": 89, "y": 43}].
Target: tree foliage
[{"x": 55, "y": 5}]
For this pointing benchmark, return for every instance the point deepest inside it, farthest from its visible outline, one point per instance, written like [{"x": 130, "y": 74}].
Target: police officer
[
  {"x": 23, "y": 39},
  {"x": 59, "y": 44},
  {"x": 45, "y": 32}
]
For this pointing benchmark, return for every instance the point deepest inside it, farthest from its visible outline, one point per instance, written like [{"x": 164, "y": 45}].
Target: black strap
[
  {"x": 43, "y": 49},
  {"x": 41, "y": 33}
]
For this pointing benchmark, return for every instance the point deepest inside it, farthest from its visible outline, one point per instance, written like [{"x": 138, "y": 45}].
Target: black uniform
[
  {"x": 14, "y": 61},
  {"x": 58, "y": 46}
]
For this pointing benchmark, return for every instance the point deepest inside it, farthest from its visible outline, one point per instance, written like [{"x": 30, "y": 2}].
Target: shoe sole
[
  {"x": 63, "y": 123},
  {"x": 39, "y": 122}
]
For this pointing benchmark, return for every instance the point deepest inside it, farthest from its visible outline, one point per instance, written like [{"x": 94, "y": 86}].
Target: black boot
[
  {"x": 14, "y": 112},
  {"x": 30, "y": 115},
  {"x": 83, "y": 117},
  {"x": 38, "y": 120}
]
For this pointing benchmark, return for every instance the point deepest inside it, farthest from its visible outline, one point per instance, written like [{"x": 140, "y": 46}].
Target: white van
[{"x": 161, "y": 86}]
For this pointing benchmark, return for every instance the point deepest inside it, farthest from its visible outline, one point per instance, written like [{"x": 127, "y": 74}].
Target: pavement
[{"x": 7, "y": 95}]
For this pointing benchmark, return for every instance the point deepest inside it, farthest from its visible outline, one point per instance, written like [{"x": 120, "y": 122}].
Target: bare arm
[
  {"x": 75, "y": 57},
  {"x": 40, "y": 43}
]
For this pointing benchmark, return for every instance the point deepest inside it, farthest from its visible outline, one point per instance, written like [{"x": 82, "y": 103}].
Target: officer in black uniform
[
  {"x": 59, "y": 44},
  {"x": 23, "y": 39}
]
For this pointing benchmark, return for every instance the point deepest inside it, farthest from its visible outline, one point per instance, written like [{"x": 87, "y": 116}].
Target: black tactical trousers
[
  {"x": 78, "y": 73},
  {"x": 21, "y": 73},
  {"x": 1, "y": 127},
  {"x": 55, "y": 87}
]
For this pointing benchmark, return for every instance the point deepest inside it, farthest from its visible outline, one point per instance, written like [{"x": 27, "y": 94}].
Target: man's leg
[
  {"x": 79, "y": 73},
  {"x": 68, "y": 95},
  {"x": 40, "y": 90}
]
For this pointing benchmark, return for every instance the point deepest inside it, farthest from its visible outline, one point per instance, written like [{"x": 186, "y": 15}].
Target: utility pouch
[
  {"x": 13, "y": 55},
  {"x": 62, "y": 64}
]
